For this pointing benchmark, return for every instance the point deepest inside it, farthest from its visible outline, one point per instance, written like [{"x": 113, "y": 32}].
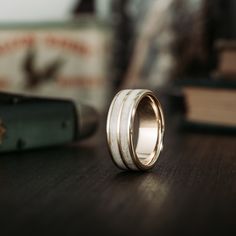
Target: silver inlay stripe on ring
[
  {"x": 114, "y": 115},
  {"x": 126, "y": 126}
]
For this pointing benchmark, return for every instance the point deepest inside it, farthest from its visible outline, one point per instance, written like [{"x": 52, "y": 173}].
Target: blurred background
[{"x": 88, "y": 50}]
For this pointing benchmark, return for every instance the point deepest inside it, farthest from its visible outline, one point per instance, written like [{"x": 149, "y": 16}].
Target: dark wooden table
[{"x": 77, "y": 190}]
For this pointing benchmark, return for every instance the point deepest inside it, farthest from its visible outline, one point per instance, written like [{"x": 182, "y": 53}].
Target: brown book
[
  {"x": 211, "y": 106},
  {"x": 210, "y": 102}
]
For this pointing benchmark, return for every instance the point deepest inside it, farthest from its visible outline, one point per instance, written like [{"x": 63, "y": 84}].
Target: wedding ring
[{"x": 135, "y": 129}]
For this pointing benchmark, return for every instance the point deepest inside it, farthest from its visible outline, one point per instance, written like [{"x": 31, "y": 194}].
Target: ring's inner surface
[{"x": 145, "y": 130}]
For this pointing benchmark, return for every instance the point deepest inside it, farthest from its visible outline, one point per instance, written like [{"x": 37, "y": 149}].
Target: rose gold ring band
[{"x": 135, "y": 129}]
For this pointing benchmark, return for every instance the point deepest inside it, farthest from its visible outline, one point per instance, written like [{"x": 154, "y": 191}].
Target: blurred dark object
[
  {"x": 209, "y": 129},
  {"x": 123, "y": 39},
  {"x": 193, "y": 41},
  {"x": 198, "y": 27},
  {"x": 222, "y": 18},
  {"x": 84, "y": 7},
  {"x": 31, "y": 122}
]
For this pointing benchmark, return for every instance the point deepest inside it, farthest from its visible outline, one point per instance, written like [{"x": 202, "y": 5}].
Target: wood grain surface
[{"x": 77, "y": 190}]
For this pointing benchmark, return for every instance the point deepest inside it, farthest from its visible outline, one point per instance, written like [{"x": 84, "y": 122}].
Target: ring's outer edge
[{"x": 133, "y": 162}]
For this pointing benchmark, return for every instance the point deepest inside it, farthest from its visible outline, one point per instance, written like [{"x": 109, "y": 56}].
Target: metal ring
[{"x": 135, "y": 129}]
